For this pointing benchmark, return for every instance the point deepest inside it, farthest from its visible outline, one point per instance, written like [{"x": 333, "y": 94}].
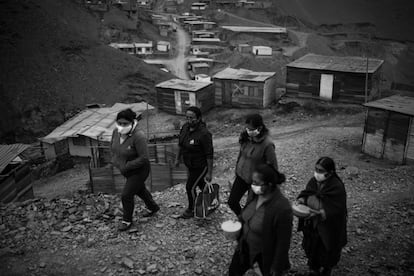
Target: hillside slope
[
  {"x": 53, "y": 63},
  {"x": 390, "y": 18}
]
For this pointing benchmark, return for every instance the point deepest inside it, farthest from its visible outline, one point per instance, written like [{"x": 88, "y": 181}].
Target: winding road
[{"x": 178, "y": 64}]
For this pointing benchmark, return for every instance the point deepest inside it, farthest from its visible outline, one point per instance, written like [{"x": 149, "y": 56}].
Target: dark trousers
[
  {"x": 239, "y": 264},
  {"x": 239, "y": 188},
  {"x": 316, "y": 252},
  {"x": 195, "y": 178},
  {"x": 135, "y": 185}
]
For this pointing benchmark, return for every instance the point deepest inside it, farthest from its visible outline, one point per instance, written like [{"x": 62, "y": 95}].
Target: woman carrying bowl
[
  {"x": 324, "y": 231},
  {"x": 266, "y": 226}
]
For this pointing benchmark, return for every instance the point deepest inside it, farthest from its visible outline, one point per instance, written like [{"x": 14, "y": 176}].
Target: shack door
[
  {"x": 326, "y": 87},
  {"x": 183, "y": 100}
]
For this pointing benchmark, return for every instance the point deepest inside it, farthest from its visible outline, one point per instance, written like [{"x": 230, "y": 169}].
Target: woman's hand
[{"x": 300, "y": 200}]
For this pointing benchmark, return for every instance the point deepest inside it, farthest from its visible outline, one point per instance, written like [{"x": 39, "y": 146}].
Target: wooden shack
[
  {"x": 340, "y": 79},
  {"x": 86, "y": 129},
  {"x": 244, "y": 88},
  {"x": 15, "y": 174},
  {"x": 389, "y": 129},
  {"x": 176, "y": 95}
]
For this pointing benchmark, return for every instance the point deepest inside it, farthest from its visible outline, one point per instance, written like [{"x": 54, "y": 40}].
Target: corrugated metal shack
[
  {"x": 15, "y": 174},
  {"x": 340, "y": 79},
  {"x": 84, "y": 131},
  {"x": 389, "y": 129},
  {"x": 244, "y": 88},
  {"x": 174, "y": 96}
]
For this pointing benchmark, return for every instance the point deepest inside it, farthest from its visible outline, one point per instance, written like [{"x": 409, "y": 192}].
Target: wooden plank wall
[
  {"x": 16, "y": 185},
  {"x": 348, "y": 87},
  {"x": 374, "y": 131},
  {"x": 218, "y": 93},
  {"x": 396, "y": 137},
  {"x": 205, "y": 98},
  {"x": 163, "y": 172},
  {"x": 240, "y": 100},
  {"x": 166, "y": 100},
  {"x": 410, "y": 143}
]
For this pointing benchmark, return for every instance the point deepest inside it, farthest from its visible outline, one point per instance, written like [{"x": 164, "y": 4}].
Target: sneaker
[
  {"x": 187, "y": 214},
  {"x": 151, "y": 213},
  {"x": 124, "y": 225}
]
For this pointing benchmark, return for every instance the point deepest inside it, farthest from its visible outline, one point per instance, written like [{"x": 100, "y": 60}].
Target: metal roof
[
  {"x": 185, "y": 85},
  {"x": 9, "y": 152},
  {"x": 400, "y": 104},
  {"x": 244, "y": 29},
  {"x": 199, "y": 65},
  {"x": 243, "y": 74},
  {"x": 206, "y": 39},
  {"x": 332, "y": 63},
  {"x": 94, "y": 123}
]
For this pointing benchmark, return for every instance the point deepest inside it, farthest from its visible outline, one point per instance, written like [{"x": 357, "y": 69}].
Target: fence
[
  {"x": 105, "y": 178},
  {"x": 16, "y": 185}
]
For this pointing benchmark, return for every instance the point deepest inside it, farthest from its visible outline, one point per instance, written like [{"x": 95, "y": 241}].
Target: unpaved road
[
  {"x": 178, "y": 64},
  {"x": 381, "y": 215}
]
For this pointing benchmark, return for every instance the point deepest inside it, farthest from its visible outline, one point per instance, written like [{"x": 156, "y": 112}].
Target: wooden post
[{"x": 366, "y": 82}]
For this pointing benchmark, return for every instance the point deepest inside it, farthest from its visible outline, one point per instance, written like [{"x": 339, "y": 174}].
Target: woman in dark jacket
[
  {"x": 130, "y": 156},
  {"x": 256, "y": 147},
  {"x": 324, "y": 231},
  {"x": 266, "y": 226},
  {"x": 196, "y": 149}
]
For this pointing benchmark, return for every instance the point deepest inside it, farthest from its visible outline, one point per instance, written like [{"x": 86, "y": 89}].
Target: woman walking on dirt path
[
  {"x": 256, "y": 147},
  {"x": 267, "y": 226},
  {"x": 196, "y": 148},
  {"x": 130, "y": 156},
  {"x": 324, "y": 231}
]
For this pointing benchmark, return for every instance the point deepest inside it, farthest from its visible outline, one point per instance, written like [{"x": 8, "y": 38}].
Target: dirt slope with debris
[
  {"x": 76, "y": 234},
  {"x": 53, "y": 62}
]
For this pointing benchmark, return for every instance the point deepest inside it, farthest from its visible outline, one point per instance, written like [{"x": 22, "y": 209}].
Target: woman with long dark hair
[
  {"x": 256, "y": 147},
  {"x": 266, "y": 226},
  {"x": 130, "y": 156},
  {"x": 324, "y": 231}
]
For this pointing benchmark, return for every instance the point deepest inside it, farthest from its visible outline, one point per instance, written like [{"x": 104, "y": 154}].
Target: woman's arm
[
  {"x": 283, "y": 233},
  {"x": 270, "y": 156},
  {"x": 140, "y": 144}
]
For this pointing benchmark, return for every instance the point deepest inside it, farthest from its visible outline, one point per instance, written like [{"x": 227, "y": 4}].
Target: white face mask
[
  {"x": 257, "y": 189},
  {"x": 253, "y": 133},
  {"x": 319, "y": 176},
  {"x": 124, "y": 129}
]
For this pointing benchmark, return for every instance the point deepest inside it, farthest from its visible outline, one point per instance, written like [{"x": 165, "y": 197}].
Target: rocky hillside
[{"x": 54, "y": 61}]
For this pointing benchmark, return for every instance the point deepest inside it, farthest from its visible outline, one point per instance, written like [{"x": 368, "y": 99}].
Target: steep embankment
[
  {"x": 390, "y": 18},
  {"x": 53, "y": 62}
]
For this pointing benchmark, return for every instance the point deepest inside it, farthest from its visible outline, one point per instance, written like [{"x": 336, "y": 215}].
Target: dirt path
[
  {"x": 178, "y": 64},
  {"x": 77, "y": 235},
  {"x": 300, "y": 38},
  {"x": 248, "y": 22}
]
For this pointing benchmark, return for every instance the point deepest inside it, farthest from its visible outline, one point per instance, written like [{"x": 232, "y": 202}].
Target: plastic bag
[{"x": 207, "y": 201}]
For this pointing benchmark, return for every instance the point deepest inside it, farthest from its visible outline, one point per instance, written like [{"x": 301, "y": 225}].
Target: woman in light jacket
[
  {"x": 256, "y": 147},
  {"x": 130, "y": 156}
]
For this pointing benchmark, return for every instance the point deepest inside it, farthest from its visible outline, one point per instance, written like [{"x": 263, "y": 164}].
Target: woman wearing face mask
[
  {"x": 255, "y": 147},
  {"x": 130, "y": 156},
  {"x": 266, "y": 226},
  {"x": 196, "y": 148},
  {"x": 324, "y": 231}
]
